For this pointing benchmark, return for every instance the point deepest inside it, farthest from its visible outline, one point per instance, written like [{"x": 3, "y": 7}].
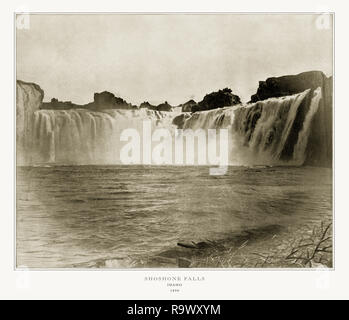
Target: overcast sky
[{"x": 167, "y": 57}]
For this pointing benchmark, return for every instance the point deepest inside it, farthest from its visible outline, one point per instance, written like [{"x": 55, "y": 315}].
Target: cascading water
[
  {"x": 86, "y": 137},
  {"x": 269, "y": 132},
  {"x": 266, "y": 127},
  {"x": 299, "y": 154}
]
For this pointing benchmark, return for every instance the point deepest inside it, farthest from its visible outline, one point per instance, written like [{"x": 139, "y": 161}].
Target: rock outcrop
[
  {"x": 29, "y": 98},
  {"x": 55, "y": 104},
  {"x": 161, "y": 107},
  {"x": 288, "y": 85},
  {"x": 164, "y": 107},
  {"x": 147, "y": 105},
  {"x": 180, "y": 119},
  {"x": 319, "y": 148},
  {"x": 290, "y": 119},
  {"x": 320, "y": 142},
  {"x": 101, "y": 101},
  {"x": 218, "y": 99},
  {"x": 187, "y": 106},
  {"x": 107, "y": 100}
]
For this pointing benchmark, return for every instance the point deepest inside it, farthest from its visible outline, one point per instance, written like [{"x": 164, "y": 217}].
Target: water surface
[{"x": 72, "y": 215}]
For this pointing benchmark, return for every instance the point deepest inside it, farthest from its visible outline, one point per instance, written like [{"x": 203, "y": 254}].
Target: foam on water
[{"x": 267, "y": 132}]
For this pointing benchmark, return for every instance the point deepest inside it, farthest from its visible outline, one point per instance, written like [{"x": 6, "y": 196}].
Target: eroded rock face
[
  {"x": 55, "y": 104},
  {"x": 164, "y": 107},
  {"x": 187, "y": 106},
  {"x": 218, "y": 99},
  {"x": 107, "y": 100},
  {"x": 180, "y": 119},
  {"x": 161, "y": 107},
  {"x": 319, "y": 148},
  {"x": 147, "y": 105},
  {"x": 101, "y": 101},
  {"x": 320, "y": 142},
  {"x": 29, "y": 98},
  {"x": 288, "y": 85}
]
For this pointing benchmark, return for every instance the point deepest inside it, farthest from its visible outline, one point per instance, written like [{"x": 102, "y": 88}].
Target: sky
[{"x": 172, "y": 58}]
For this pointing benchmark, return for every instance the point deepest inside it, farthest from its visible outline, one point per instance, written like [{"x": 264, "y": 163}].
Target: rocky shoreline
[
  {"x": 272, "y": 246},
  {"x": 308, "y": 246}
]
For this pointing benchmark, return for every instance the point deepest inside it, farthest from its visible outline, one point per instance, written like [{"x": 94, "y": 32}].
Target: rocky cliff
[
  {"x": 101, "y": 101},
  {"x": 29, "y": 98},
  {"x": 319, "y": 148},
  {"x": 290, "y": 84},
  {"x": 283, "y": 126},
  {"x": 217, "y": 99},
  {"x": 187, "y": 106}
]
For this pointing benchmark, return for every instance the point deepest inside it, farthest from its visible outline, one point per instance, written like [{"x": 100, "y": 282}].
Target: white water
[
  {"x": 258, "y": 132},
  {"x": 87, "y": 137},
  {"x": 300, "y": 147}
]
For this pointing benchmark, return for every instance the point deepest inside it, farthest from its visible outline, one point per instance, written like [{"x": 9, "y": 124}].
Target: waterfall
[
  {"x": 86, "y": 137},
  {"x": 300, "y": 148},
  {"x": 266, "y": 127},
  {"x": 270, "y": 132}
]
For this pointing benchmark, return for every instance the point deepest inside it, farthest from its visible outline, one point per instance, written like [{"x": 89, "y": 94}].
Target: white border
[
  {"x": 130, "y": 284},
  {"x": 169, "y": 270}
]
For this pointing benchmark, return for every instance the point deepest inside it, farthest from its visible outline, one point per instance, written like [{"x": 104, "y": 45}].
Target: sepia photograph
[{"x": 174, "y": 141}]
